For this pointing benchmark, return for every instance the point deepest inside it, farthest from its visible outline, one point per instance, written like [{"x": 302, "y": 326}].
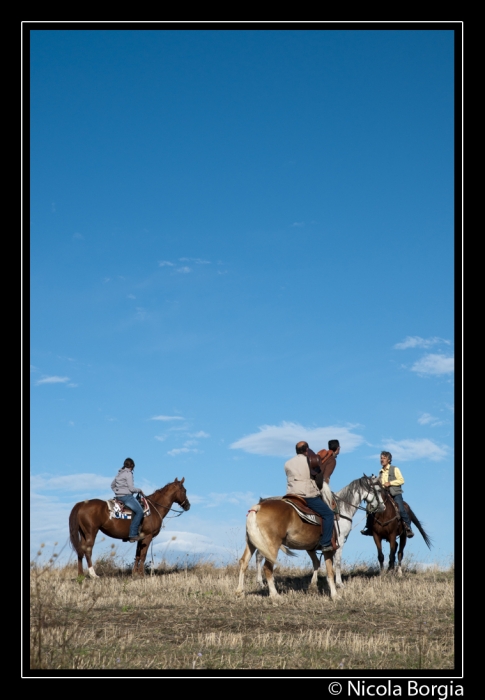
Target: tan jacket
[{"x": 298, "y": 478}]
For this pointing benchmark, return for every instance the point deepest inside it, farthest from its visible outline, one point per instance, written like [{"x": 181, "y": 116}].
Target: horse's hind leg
[
  {"x": 400, "y": 554},
  {"x": 87, "y": 544},
  {"x": 268, "y": 572},
  {"x": 243, "y": 565},
  {"x": 316, "y": 566},
  {"x": 259, "y": 565}
]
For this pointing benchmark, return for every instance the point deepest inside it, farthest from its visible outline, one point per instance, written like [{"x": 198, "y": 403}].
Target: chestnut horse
[
  {"x": 88, "y": 517},
  {"x": 273, "y": 524},
  {"x": 348, "y": 499},
  {"x": 388, "y": 525}
]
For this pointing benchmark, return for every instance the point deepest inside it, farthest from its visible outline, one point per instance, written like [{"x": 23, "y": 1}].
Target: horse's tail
[
  {"x": 287, "y": 551},
  {"x": 74, "y": 533},
  {"x": 416, "y": 522},
  {"x": 255, "y": 536}
]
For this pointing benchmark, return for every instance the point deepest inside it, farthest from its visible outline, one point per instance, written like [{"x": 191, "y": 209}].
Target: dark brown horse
[
  {"x": 388, "y": 526},
  {"x": 88, "y": 517}
]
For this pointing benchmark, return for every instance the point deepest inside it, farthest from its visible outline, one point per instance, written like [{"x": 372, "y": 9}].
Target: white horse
[{"x": 348, "y": 499}]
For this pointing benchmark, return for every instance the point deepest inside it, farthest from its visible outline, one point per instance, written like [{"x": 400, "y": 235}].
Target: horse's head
[
  {"x": 374, "y": 500},
  {"x": 180, "y": 494}
]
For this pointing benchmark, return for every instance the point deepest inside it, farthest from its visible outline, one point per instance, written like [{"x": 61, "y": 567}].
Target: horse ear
[
  {"x": 175, "y": 479},
  {"x": 183, "y": 479}
]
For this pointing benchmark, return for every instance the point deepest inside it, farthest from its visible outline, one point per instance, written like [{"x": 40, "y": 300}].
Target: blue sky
[{"x": 239, "y": 239}]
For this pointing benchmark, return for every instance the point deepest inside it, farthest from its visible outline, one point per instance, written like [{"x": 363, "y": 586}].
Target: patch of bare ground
[{"x": 190, "y": 618}]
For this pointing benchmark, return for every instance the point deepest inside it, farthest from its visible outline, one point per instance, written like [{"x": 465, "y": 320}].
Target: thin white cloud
[
  {"x": 131, "y": 296},
  {"x": 184, "y": 269},
  {"x": 280, "y": 440},
  {"x": 160, "y": 438},
  {"x": 78, "y": 236},
  {"x": 417, "y": 342},
  {"x": 245, "y": 498},
  {"x": 197, "y": 261},
  {"x": 52, "y": 380},
  {"x": 426, "y": 418},
  {"x": 434, "y": 364},
  {"x": 182, "y": 450},
  {"x": 200, "y": 434},
  {"x": 299, "y": 224},
  {"x": 167, "y": 418},
  {"x": 410, "y": 450},
  {"x": 165, "y": 263},
  {"x": 72, "y": 482}
]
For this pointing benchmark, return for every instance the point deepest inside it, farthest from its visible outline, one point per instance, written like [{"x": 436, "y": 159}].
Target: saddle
[
  {"x": 117, "y": 509},
  {"x": 309, "y": 515}
]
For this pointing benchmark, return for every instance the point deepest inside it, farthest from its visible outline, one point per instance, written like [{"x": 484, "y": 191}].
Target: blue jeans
[
  {"x": 137, "y": 509},
  {"x": 404, "y": 514},
  {"x": 326, "y": 513}
]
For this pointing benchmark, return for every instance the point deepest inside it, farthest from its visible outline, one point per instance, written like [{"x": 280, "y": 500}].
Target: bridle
[{"x": 168, "y": 509}]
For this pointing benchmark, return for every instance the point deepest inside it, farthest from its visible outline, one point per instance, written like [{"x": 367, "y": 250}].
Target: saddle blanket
[
  {"x": 117, "y": 509},
  {"x": 311, "y": 518}
]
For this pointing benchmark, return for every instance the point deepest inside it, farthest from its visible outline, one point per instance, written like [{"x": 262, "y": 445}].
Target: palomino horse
[
  {"x": 388, "y": 526},
  {"x": 348, "y": 499},
  {"x": 88, "y": 517}
]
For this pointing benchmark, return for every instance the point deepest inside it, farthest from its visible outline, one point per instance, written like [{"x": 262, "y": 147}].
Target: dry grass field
[{"x": 188, "y": 617}]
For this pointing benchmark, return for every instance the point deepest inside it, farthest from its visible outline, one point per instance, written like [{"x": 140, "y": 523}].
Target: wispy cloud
[
  {"x": 299, "y": 224},
  {"x": 409, "y": 450},
  {"x": 434, "y": 364},
  {"x": 182, "y": 450},
  {"x": 280, "y": 440},
  {"x": 78, "y": 236},
  {"x": 167, "y": 418},
  {"x": 200, "y": 434},
  {"x": 245, "y": 498},
  {"x": 428, "y": 419},
  {"x": 72, "y": 482},
  {"x": 184, "y": 270},
  {"x": 197, "y": 261},
  {"x": 417, "y": 342},
  {"x": 131, "y": 296},
  {"x": 52, "y": 380},
  {"x": 165, "y": 263}
]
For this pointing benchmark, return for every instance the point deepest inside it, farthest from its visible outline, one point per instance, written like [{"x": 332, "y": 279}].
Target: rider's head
[
  {"x": 386, "y": 458},
  {"x": 334, "y": 445},
  {"x": 301, "y": 448},
  {"x": 129, "y": 463}
]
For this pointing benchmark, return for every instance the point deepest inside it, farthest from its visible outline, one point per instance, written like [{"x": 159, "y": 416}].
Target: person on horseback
[
  {"x": 124, "y": 488},
  {"x": 300, "y": 483},
  {"x": 392, "y": 479},
  {"x": 322, "y": 466}
]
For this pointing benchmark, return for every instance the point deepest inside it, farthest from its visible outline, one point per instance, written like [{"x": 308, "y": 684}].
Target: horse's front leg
[
  {"x": 141, "y": 555},
  {"x": 337, "y": 567},
  {"x": 392, "y": 553},
  {"x": 243, "y": 565},
  {"x": 330, "y": 574},
  {"x": 380, "y": 555}
]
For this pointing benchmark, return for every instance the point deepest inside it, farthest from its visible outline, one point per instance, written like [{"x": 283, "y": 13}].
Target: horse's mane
[
  {"x": 348, "y": 490},
  {"x": 164, "y": 488}
]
